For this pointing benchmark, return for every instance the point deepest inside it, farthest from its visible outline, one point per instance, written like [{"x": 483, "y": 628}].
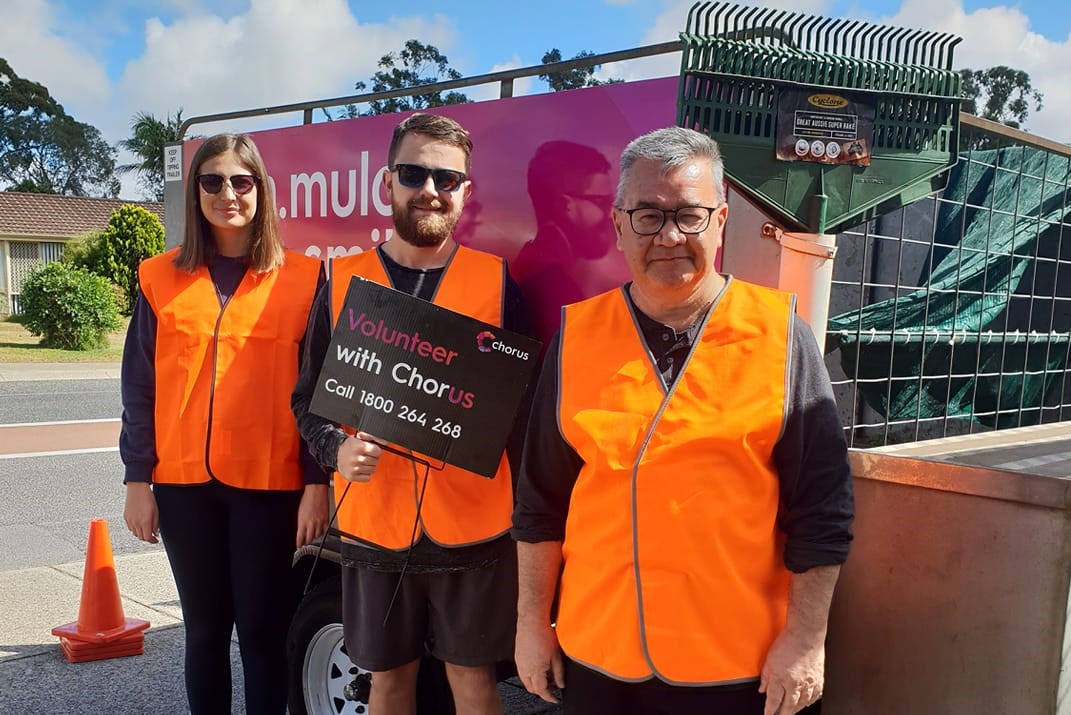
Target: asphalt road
[
  {"x": 74, "y": 474},
  {"x": 49, "y": 500},
  {"x": 55, "y": 400},
  {"x": 44, "y": 517}
]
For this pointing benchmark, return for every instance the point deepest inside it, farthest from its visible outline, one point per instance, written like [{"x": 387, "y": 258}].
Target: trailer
[{"x": 955, "y": 597}]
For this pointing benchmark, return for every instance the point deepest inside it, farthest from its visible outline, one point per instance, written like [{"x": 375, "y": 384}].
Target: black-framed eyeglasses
[
  {"x": 689, "y": 219},
  {"x": 213, "y": 183},
  {"x": 414, "y": 176}
]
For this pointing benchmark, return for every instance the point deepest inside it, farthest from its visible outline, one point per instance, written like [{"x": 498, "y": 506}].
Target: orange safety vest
[
  {"x": 672, "y": 556},
  {"x": 459, "y": 507},
  {"x": 224, "y": 374}
]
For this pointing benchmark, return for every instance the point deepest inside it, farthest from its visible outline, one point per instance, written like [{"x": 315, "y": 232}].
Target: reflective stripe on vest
[
  {"x": 224, "y": 374},
  {"x": 673, "y": 562},
  {"x": 459, "y": 507}
]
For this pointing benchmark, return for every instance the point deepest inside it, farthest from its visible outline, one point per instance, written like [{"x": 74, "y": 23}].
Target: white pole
[{"x": 807, "y": 270}]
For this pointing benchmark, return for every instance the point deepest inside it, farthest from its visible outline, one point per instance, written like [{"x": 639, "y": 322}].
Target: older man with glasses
[
  {"x": 685, "y": 488},
  {"x": 410, "y": 582}
]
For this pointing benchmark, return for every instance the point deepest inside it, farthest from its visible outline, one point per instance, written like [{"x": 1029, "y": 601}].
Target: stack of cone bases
[{"x": 101, "y": 631}]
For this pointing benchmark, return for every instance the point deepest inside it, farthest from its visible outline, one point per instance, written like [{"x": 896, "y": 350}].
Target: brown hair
[
  {"x": 266, "y": 246},
  {"x": 435, "y": 126}
]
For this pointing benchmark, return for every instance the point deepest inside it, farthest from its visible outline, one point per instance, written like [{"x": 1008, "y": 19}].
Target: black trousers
[
  {"x": 587, "y": 692},
  {"x": 230, "y": 552}
]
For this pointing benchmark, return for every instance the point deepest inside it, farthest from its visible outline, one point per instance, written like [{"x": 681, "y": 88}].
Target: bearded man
[{"x": 456, "y": 597}]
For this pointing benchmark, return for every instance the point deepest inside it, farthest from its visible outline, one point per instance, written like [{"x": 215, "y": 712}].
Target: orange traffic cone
[{"x": 101, "y": 631}]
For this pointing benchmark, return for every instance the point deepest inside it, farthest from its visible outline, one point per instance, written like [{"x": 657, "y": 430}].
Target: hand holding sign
[
  {"x": 358, "y": 456},
  {"x": 423, "y": 377}
]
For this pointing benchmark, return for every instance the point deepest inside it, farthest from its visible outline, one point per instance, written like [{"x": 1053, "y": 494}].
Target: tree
[
  {"x": 1002, "y": 94},
  {"x": 148, "y": 135},
  {"x": 44, "y": 149},
  {"x": 74, "y": 159},
  {"x": 132, "y": 235},
  {"x": 23, "y": 105},
  {"x": 18, "y": 94},
  {"x": 415, "y": 65},
  {"x": 20, "y": 97},
  {"x": 574, "y": 78},
  {"x": 28, "y": 186}
]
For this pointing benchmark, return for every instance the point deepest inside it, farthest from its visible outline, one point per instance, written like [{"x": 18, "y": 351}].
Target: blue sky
[{"x": 107, "y": 60}]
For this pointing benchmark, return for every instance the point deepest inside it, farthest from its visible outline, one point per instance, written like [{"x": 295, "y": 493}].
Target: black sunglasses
[
  {"x": 213, "y": 183},
  {"x": 414, "y": 176}
]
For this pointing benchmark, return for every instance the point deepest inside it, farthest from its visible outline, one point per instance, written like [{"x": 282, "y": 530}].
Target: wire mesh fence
[{"x": 953, "y": 315}]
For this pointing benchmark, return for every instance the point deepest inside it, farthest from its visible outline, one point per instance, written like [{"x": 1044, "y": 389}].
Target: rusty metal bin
[{"x": 954, "y": 600}]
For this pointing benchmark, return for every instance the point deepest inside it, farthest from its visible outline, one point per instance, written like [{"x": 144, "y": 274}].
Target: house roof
[{"x": 60, "y": 217}]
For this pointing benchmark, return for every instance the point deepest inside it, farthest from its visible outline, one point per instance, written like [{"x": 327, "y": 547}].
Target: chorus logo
[
  {"x": 483, "y": 341},
  {"x": 486, "y": 342}
]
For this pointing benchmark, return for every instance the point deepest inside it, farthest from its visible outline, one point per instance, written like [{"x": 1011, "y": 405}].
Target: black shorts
[
  {"x": 464, "y": 617},
  {"x": 587, "y": 691}
]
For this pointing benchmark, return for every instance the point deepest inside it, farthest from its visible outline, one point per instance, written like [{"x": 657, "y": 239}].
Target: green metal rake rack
[{"x": 739, "y": 64}]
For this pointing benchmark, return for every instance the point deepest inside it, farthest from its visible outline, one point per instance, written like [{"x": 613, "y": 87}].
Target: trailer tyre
[{"x": 323, "y": 681}]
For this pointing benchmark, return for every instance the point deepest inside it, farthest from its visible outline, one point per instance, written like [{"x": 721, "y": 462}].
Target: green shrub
[
  {"x": 133, "y": 234},
  {"x": 83, "y": 251},
  {"x": 69, "y": 307}
]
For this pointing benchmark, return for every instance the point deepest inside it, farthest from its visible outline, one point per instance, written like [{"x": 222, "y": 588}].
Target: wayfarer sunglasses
[
  {"x": 414, "y": 176},
  {"x": 213, "y": 183}
]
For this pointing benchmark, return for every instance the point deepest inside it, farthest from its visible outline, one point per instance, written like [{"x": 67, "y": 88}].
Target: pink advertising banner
[{"x": 544, "y": 172}]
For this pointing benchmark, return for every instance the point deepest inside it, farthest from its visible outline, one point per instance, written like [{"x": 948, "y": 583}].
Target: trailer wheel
[{"x": 323, "y": 681}]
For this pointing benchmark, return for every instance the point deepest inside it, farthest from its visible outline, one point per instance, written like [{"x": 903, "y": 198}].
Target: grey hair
[{"x": 673, "y": 147}]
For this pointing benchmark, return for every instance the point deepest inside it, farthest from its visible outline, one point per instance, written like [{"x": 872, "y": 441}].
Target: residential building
[{"x": 34, "y": 228}]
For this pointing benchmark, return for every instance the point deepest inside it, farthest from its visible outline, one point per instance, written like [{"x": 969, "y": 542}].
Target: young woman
[{"x": 214, "y": 462}]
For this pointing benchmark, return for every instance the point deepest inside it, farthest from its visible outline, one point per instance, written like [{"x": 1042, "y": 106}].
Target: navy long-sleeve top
[{"x": 137, "y": 440}]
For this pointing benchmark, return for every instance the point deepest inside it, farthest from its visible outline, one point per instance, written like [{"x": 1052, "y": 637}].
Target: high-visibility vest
[
  {"x": 672, "y": 557},
  {"x": 459, "y": 507},
  {"x": 224, "y": 373}
]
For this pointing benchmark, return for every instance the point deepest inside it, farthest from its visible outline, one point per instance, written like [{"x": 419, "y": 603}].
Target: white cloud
[
  {"x": 667, "y": 27},
  {"x": 1003, "y": 36},
  {"x": 273, "y": 52},
  {"x": 999, "y": 35},
  {"x": 36, "y": 52},
  {"x": 276, "y": 53}
]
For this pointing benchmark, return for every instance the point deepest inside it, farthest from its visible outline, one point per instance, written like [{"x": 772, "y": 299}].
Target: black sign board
[
  {"x": 825, "y": 126},
  {"x": 430, "y": 380}
]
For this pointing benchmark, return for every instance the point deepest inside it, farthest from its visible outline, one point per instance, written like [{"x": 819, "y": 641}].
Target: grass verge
[{"x": 17, "y": 345}]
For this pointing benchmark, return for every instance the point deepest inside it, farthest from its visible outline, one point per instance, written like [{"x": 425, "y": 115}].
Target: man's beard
[{"x": 427, "y": 231}]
